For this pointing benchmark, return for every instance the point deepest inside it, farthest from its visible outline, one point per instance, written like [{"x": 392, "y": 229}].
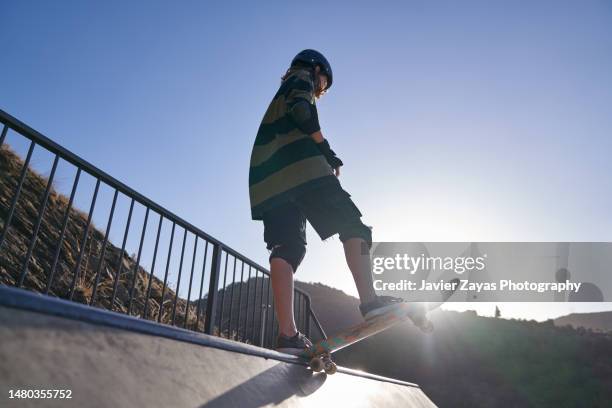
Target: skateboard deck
[{"x": 319, "y": 355}]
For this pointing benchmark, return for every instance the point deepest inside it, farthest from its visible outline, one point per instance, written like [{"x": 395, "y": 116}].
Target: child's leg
[
  {"x": 285, "y": 236},
  {"x": 331, "y": 211},
  {"x": 282, "y": 286},
  {"x": 358, "y": 262}
]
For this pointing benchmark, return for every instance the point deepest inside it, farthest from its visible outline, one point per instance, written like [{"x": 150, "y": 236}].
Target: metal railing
[{"x": 196, "y": 281}]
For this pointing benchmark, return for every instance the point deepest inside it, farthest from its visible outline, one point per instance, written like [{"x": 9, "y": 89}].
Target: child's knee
[
  {"x": 357, "y": 231},
  {"x": 292, "y": 253}
]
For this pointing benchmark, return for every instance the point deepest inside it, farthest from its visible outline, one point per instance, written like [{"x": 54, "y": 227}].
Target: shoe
[
  {"x": 379, "y": 306},
  {"x": 293, "y": 345}
]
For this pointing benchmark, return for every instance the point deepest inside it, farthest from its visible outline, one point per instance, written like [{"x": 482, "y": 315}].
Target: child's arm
[
  {"x": 303, "y": 111},
  {"x": 323, "y": 145},
  {"x": 317, "y": 136}
]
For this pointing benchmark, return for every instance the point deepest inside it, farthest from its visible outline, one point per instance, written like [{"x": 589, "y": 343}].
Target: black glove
[{"x": 333, "y": 160}]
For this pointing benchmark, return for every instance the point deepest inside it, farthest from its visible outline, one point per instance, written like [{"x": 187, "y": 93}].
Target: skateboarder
[{"x": 293, "y": 177}]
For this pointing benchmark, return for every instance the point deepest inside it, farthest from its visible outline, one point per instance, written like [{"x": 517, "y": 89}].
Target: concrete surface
[{"x": 50, "y": 344}]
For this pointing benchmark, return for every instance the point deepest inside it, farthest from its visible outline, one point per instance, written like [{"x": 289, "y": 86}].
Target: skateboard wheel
[
  {"x": 330, "y": 368},
  {"x": 316, "y": 364}
]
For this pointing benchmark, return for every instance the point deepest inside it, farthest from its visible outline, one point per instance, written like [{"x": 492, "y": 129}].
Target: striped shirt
[{"x": 285, "y": 160}]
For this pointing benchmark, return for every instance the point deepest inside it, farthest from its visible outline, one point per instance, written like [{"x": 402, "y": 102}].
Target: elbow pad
[{"x": 305, "y": 116}]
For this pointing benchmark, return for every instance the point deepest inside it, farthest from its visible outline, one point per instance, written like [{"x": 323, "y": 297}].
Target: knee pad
[
  {"x": 292, "y": 253},
  {"x": 357, "y": 231}
]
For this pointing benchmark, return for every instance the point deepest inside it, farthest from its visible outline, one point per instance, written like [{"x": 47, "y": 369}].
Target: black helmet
[{"x": 314, "y": 58}]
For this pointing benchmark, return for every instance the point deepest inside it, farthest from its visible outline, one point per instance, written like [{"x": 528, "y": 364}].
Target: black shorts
[{"x": 329, "y": 210}]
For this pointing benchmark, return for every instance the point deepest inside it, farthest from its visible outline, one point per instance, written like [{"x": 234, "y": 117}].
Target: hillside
[
  {"x": 131, "y": 280},
  {"x": 472, "y": 361},
  {"x": 600, "y": 321},
  {"x": 334, "y": 308}
]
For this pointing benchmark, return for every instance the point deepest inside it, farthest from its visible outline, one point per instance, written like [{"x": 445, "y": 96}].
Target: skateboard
[{"x": 319, "y": 355}]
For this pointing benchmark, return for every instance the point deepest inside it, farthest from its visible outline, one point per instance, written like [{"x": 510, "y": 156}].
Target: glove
[{"x": 333, "y": 160}]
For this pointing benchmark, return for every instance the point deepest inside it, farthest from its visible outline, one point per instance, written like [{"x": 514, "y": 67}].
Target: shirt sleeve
[{"x": 301, "y": 106}]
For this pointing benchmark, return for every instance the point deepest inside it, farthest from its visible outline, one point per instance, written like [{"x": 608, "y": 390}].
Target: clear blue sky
[{"x": 457, "y": 121}]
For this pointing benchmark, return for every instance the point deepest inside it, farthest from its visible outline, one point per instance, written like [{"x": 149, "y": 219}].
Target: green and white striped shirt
[{"x": 285, "y": 160}]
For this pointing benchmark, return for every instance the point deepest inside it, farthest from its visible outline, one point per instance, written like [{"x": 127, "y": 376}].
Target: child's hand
[{"x": 333, "y": 160}]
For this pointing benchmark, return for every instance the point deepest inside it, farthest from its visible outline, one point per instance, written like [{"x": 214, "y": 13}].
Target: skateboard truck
[{"x": 323, "y": 362}]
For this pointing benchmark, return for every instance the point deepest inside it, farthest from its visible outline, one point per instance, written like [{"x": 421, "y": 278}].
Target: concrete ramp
[{"x": 110, "y": 360}]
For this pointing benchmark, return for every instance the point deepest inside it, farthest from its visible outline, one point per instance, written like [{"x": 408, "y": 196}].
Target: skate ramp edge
[{"x": 112, "y": 360}]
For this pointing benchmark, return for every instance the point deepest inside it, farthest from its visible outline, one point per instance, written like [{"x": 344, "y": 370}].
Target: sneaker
[
  {"x": 293, "y": 345},
  {"x": 379, "y": 306}
]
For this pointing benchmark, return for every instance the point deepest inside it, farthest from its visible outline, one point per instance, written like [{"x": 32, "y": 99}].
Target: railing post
[
  {"x": 211, "y": 303},
  {"x": 318, "y": 324},
  {"x": 264, "y": 319},
  {"x": 4, "y": 132},
  {"x": 307, "y": 315}
]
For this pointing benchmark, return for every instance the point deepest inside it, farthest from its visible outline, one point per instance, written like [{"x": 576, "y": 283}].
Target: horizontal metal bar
[{"x": 70, "y": 157}]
